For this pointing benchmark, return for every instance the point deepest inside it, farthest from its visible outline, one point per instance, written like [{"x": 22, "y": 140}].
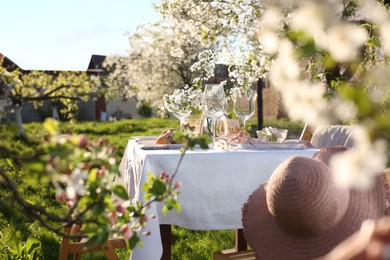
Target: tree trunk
[
  {"x": 19, "y": 122},
  {"x": 55, "y": 114}
]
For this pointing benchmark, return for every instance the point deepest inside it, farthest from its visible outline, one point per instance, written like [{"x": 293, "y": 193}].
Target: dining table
[{"x": 214, "y": 184}]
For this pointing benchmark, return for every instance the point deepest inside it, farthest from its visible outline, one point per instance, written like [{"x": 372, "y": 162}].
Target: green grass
[{"x": 187, "y": 244}]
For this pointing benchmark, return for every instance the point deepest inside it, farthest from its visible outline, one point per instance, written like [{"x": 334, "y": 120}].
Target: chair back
[{"x": 332, "y": 135}]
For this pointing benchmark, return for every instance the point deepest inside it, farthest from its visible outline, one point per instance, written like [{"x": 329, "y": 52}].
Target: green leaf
[
  {"x": 34, "y": 166},
  {"x": 84, "y": 202},
  {"x": 146, "y": 186},
  {"x": 164, "y": 209},
  {"x": 92, "y": 175},
  {"x": 9, "y": 162},
  {"x": 147, "y": 196},
  {"x": 134, "y": 240},
  {"x": 52, "y": 126},
  {"x": 120, "y": 191},
  {"x": 98, "y": 239},
  {"x": 159, "y": 187},
  {"x": 176, "y": 205},
  {"x": 32, "y": 244}
]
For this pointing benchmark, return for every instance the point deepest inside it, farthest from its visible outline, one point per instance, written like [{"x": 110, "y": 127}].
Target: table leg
[
  {"x": 166, "y": 239},
  {"x": 241, "y": 243}
]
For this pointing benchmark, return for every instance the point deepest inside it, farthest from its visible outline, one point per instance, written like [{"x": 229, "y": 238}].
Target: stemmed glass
[
  {"x": 244, "y": 104},
  {"x": 214, "y": 104},
  {"x": 180, "y": 110}
]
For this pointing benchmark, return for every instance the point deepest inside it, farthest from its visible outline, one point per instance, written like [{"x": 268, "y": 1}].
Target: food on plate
[
  {"x": 272, "y": 134},
  {"x": 166, "y": 137}
]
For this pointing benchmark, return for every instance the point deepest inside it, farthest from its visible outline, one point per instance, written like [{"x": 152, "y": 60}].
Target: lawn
[{"x": 15, "y": 226}]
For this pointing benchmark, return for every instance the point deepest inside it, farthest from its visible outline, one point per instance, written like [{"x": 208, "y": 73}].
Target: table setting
[{"x": 227, "y": 133}]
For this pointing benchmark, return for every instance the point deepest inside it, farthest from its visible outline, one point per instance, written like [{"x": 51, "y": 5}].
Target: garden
[{"x": 327, "y": 62}]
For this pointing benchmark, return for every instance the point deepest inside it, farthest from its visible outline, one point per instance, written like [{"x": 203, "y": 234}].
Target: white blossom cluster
[
  {"x": 221, "y": 145},
  {"x": 357, "y": 167},
  {"x": 249, "y": 69},
  {"x": 206, "y": 63},
  {"x": 207, "y": 19},
  {"x": 187, "y": 99}
]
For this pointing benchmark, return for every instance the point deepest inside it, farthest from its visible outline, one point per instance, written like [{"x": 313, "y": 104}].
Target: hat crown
[{"x": 303, "y": 199}]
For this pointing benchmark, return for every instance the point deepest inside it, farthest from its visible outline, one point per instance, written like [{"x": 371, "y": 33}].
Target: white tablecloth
[{"x": 215, "y": 185}]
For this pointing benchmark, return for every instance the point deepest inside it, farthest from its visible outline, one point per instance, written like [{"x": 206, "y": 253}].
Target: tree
[
  {"x": 36, "y": 87},
  {"x": 159, "y": 60}
]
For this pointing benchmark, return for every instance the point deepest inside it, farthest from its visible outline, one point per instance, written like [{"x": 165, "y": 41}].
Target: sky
[{"x": 63, "y": 35}]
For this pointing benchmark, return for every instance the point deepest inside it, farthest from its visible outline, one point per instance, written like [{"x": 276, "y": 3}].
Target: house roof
[{"x": 8, "y": 63}]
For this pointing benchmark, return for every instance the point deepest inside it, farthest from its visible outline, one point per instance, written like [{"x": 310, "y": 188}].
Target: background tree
[
  {"x": 112, "y": 82},
  {"x": 36, "y": 87},
  {"x": 159, "y": 60}
]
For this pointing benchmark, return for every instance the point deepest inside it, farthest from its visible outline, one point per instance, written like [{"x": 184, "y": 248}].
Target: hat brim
[{"x": 269, "y": 242}]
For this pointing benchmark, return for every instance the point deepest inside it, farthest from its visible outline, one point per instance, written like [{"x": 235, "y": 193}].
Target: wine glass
[
  {"x": 244, "y": 104},
  {"x": 180, "y": 110},
  {"x": 214, "y": 104}
]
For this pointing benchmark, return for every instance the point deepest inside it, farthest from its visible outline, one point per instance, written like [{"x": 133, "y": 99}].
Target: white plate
[
  {"x": 137, "y": 138},
  {"x": 151, "y": 145}
]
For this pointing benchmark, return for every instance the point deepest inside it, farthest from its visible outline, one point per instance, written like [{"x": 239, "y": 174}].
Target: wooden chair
[
  {"x": 78, "y": 247},
  {"x": 239, "y": 252},
  {"x": 307, "y": 133},
  {"x": 329, "y": 135},
  {"x": 333, "y": 135},
  {"x": 228, "y": 255}
]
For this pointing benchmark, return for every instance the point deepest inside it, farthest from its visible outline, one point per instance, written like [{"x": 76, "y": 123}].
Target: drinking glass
[
  {"x": 214, "y": 104},
  {"x": 228, "y": 127},
  {"x": 180, "y": 110},
  {"x": 244, "y": 104}
]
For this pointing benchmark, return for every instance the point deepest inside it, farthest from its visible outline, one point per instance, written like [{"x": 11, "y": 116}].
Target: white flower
[
  {"x": 221, "y": 145},
  {"x": 344, "y": 41},
  {"x": 306, "y": 102},
  {"x": 344, "y": 109},
  {"x": 358, "y": 167},
  {"x": 286, "y": 68},
  {"x": 385, "y": 34},
  {"x": 206, "y": 63},
  {"x": 269, "y": 41},
  {"x": 70, "y": 193},
  {"x": 235, "y": 92},
  {"x": 372, "y": 11},
  {"x": 177, "y": 52},
  {"x": 234, "y": 73},
  {"x": 183, "y": 100},
  {"x": 310, "y": 18},
  {"x": 271, "y": 19}
]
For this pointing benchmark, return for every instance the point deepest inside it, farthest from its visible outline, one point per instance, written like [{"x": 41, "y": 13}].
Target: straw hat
[{"x": 301, "y": 214}]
